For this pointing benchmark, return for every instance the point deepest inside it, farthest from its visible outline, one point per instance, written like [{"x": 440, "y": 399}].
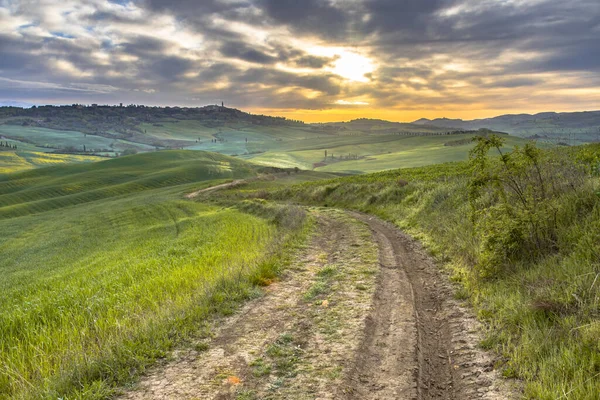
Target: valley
[
  {"x": 353, "y": 147},
  {"x": 149, "y": 275}
]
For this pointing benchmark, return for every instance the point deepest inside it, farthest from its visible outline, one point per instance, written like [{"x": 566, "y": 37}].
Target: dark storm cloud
[
  {"x": 216, "y": 71},
  {"x": 477, "y": 23},
  {"x": 194, "y": 7},
  {"x": 298, "y": 57},
  {"x": 198, "y": 12},
  {"x": 28, "y": 57},
  {"x": 412, "y": 16},
  {"x": 14, "y": 55},
  {"x": 170, "y": 68},
  {"x": 108, "y": 17},
  {"x": 144, "y": 45},
  {"x": 512, "y": 83},
  {"x": 308, "y": 16},
  {"x": 314, "y": 62},
  {"x": 244, "y": 52},
  {"x": 328, "y": 84},
  {"x": 565, "y": 54}
]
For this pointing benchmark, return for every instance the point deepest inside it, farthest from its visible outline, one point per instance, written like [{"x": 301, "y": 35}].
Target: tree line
[{"x": 8, "y": 146}]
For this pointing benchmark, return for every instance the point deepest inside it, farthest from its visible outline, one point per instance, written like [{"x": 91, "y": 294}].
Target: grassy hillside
[
  {"x": 521, "y": 239},
  {"x": 44, "y": 139},
  {"x": 113, "y": 129},
  {"x": 362, "y": 145},
  {"x": 360, "y": 154},
  {"x": 567, "y": 127},
  {"x": 106, "y": 267},
  {"x": 348, "y": 151},
  {"x": 17, "y": 161},
  {"x": 358, "y": 146}
]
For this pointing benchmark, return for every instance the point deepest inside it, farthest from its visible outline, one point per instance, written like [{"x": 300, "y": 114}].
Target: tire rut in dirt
[
  {"x": 385, "y": 366},
  {"x": 444, "y": 357}
]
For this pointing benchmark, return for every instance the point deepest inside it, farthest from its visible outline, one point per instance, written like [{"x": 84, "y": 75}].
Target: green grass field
[
  {"x": 43, "y": 139},
  {"x": 58, "y": 187},
  {"x": 361, "y": 146},
  {"x": 375, "y": 153},
  {"x": 17, "y": 161},
  {"x": 106, "y": 267}
]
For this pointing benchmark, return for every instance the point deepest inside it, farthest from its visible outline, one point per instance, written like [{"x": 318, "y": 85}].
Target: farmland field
[
  {"x": 106, "y": 266},
  {"x": 360, "y": 154},
  {"x": 349, "y": 151},
  {"x": 50, "y": 139},
  {"x": 17, "y": 161},
  {"x": 354, "y": 147},
  {"x": 286, "y": 148}
]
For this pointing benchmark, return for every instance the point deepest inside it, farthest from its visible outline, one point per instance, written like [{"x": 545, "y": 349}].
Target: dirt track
[
  {"x": 362, "y": 314},
  {"x": 227, "y": 185},
  {"x": 384, "y": 365},
  {"x": 443, "y": 355}
]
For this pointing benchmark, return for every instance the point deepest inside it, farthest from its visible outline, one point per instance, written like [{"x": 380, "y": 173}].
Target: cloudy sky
[{"x": 315, "y": 60}]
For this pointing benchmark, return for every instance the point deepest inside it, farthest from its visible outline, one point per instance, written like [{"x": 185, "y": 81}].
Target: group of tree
[
  {"x": 350, "y": 156},
  {"x": 7, "y": 146},
  {"x": 128, "y": 120}
]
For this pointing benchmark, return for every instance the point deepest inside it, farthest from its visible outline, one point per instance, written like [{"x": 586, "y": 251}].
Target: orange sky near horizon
[{"x": 340, "y": 114}]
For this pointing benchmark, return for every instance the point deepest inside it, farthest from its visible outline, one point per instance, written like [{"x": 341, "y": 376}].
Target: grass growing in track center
[
  {"x": 529, "y": 265},
  {"x": 96, "y": 287}
]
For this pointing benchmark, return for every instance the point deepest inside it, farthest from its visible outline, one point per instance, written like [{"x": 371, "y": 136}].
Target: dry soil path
[
  {"x": 227, "y": 185},
  {"x": 363, "y": 313}
]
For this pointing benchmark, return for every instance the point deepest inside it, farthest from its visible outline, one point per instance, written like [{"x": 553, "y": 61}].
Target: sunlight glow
[
  {"x": 353, "y": 66},
  {"x": 351, "y": 103}
]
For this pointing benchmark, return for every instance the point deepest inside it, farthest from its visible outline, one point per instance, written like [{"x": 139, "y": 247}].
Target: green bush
[{"x": 515, "y": 201}]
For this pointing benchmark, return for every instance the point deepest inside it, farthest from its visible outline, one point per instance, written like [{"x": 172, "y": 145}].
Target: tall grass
[{"x": 95, "y": 291}]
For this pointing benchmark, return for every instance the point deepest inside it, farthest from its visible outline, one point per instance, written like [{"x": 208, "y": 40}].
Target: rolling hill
[
  {"x": 362, "y": 145},
  {"x": 571, "y": 128},
  {"x": 357, "y": 154},
  {"x": 105, "y": 266},
  {"x": 62, "y": 186}
]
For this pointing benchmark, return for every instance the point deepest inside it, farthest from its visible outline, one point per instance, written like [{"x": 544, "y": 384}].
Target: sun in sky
[
  {"x": 348, "y": 63},
  {"x": 352, "y": 66}
]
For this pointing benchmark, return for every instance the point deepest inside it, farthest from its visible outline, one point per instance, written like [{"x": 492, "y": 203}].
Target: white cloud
[
  {"x": 351, "y": 103},
  {"x": 75, "y": 87}
]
